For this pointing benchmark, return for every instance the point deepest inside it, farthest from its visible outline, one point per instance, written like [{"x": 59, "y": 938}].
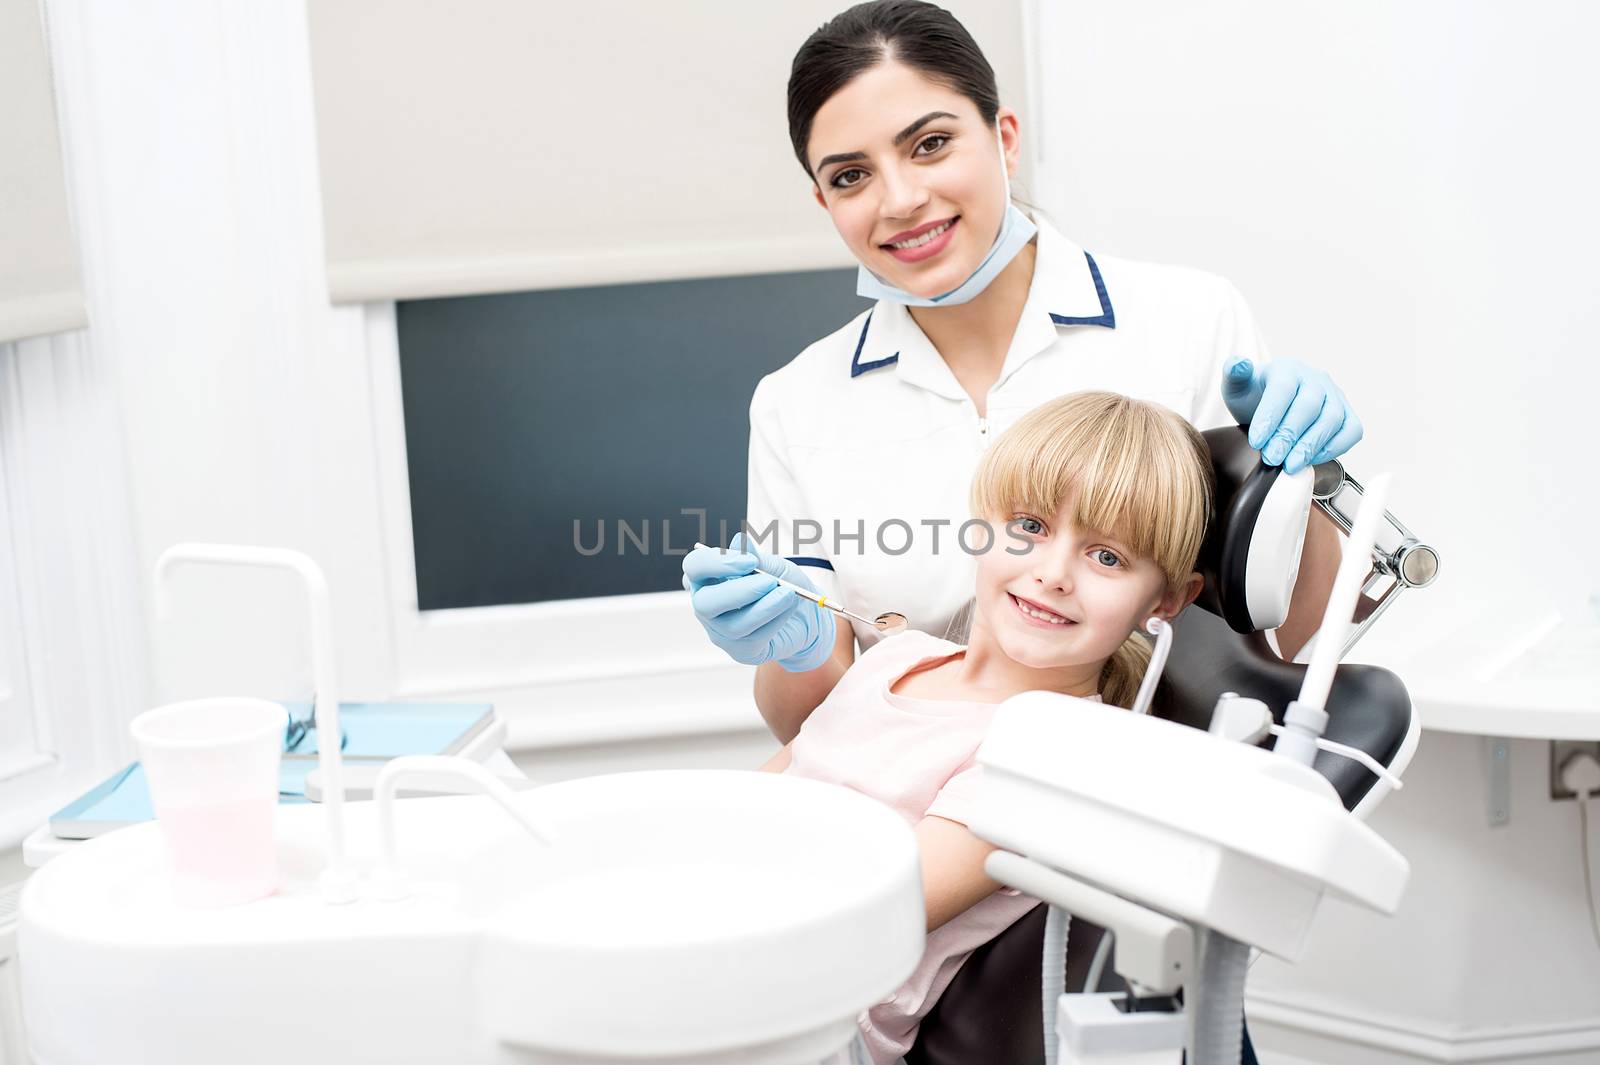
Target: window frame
[
  {"x": 558, "y": 659},
  {"x": 71, "y": 642}
]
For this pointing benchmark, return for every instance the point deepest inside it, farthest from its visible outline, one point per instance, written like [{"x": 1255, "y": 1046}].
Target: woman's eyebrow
[
  {"x": 842, "y": 157},
  {"x": 907, "y": 133},
  {"x": 899, "y": 139}
]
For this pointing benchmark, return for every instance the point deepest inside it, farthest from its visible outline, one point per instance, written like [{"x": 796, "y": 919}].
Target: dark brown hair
[{"x": 920, "y": 35}]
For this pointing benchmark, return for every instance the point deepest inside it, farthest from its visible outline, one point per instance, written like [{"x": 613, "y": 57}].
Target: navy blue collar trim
[
  {"x": 806, "y": 560},
  {"x": 857, "y": 367},
  {"x": 1106, "y": 317}
]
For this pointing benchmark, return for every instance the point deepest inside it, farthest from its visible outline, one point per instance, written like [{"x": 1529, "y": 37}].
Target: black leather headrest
[{"x": 1251, "y": 551}]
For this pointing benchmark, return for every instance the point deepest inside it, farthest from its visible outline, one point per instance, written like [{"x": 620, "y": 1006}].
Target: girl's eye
[
  {"x": 938, "y": 140},
  {"x": 1031, "y": 526},
  {"x": 1107, "y": 557},
  {"x": 838, "y": 180}
]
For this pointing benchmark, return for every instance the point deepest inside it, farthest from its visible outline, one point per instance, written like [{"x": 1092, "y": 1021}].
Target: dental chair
[
  {"x": 992, "y": 1011},
  {"x": 700, "y": 917}
]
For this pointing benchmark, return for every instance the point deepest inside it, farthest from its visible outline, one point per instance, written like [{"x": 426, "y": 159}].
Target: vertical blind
[
  {"x": 485, "y": 146},
  {"x": 40, "y": 289}
]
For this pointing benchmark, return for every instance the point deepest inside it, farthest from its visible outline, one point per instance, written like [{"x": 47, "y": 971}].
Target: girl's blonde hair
[{"x": 1142, "y": 475}]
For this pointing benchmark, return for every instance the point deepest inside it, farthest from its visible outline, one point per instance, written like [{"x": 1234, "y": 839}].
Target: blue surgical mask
[{"x": 1015, "y": 232}]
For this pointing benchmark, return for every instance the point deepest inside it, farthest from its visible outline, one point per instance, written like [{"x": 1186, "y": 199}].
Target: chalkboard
[{"x": 549, "y": 435}]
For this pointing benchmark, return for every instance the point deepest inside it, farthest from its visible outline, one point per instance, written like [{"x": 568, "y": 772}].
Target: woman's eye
[
  {"x": 839, "y": 180},
  {"x": 938, "y": 140},
  {"x": 1107, "y": 557}
]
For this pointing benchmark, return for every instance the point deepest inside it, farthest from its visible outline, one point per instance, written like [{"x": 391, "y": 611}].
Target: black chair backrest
[{"x": 1368, "y": 707}]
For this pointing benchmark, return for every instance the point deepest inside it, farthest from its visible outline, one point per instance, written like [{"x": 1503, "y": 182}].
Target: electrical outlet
[{"x": 1560, "y": 750}]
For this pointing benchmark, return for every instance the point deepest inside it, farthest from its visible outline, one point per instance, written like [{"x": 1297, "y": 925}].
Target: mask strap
[{"x": 1005, "y": 172}]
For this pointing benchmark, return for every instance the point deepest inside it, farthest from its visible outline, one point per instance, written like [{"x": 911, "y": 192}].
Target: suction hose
[
  {"x": 1054, "y": 978},
  {"x": 1214, "y": 999}
]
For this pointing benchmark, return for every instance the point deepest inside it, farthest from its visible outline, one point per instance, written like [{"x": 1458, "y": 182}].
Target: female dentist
[{"x": 862, "y": 448}]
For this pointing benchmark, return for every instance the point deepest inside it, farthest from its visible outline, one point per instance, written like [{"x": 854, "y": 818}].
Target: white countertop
[
  {"x": 41, "y": 845},
  {"x": 1534, "y": 674}
]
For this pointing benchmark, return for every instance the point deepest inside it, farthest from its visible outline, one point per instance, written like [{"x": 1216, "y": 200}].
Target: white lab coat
[{"x": 868, "y": 431}]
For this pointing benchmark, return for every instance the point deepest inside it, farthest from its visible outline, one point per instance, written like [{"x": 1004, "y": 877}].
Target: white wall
[
  {"x": 1404, "y": 192},
  {"x": 1490, "y": 957},
  {"x": 243, "y": 393}
]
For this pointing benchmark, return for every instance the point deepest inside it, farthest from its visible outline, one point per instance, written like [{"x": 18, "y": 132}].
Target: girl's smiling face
[
  {"x": 1111, "y": 497},
  {"x": 1068, "y": 602},
  {"x": 910, "y": 174}
]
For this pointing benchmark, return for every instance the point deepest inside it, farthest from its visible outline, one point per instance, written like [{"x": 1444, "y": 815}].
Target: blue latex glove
[
  {"x": 753, "y": 617},
  {"x": 1296, "y": 414}
]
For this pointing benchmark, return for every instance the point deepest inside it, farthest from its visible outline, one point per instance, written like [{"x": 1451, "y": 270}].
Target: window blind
[
  {"x": 40, "y": 288},
  {"x": 484, "y": 146}
]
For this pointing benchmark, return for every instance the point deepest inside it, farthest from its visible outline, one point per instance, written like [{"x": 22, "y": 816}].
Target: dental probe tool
[{"x": 890, "y": 623}]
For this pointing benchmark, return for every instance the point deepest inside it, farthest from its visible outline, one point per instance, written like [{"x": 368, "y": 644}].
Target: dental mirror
[{"x": 891, "y": 624}]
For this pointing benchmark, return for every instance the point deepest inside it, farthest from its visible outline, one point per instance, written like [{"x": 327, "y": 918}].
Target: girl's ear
[{"x": 1173, "y": 601}]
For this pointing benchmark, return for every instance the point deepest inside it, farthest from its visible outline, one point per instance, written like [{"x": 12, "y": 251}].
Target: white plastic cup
[{"x": 212, "y": 765}]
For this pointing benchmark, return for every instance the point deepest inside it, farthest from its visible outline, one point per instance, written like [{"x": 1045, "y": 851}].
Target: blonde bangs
[{"x": 1137, "y": 472}]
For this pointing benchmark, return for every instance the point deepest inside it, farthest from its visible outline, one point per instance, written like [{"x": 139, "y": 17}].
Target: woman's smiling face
[{"x": 910, "y": 174}]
